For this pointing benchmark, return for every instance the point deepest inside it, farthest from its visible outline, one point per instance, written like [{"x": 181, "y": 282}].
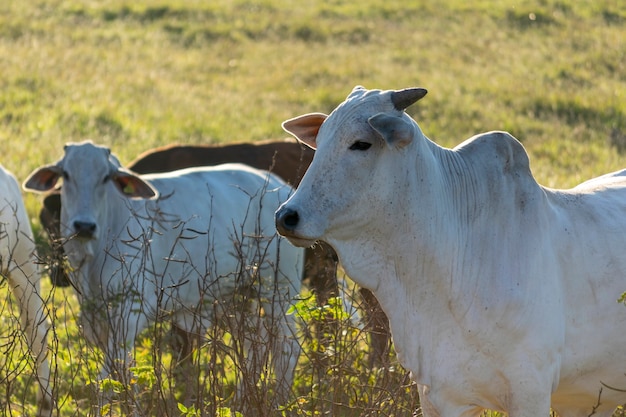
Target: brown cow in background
[{"x": 289, "y": 160}]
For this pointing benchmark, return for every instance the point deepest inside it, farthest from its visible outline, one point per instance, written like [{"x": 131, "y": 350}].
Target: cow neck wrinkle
[
  {"x": 461, "y": 184},
  {"x": 440, "y": 244}
]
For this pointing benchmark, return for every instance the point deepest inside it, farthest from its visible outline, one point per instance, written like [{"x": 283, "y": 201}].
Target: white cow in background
[
  {"x": 18, "y": 263},
  {"x": 501, "y": 294},
  {"x": 175, "y": 246}
]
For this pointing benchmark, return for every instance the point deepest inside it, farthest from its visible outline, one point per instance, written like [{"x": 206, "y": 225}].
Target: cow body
[
  {"x": 286, "y": 158},
  {"x": 182, "y": 255},
  {"x": 19, "y": 264},
  {"x": 501, "y": 293},
  {"x": 289, "y": 160}
]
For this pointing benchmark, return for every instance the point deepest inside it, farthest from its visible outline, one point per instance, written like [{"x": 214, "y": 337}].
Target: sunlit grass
[{"x": 136, "y": 75}]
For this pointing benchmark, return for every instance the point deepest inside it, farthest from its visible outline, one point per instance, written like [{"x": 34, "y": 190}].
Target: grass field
[{"x": 144, "y": 73}]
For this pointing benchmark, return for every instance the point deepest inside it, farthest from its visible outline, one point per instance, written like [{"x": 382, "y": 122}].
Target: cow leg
[
  {"x": 35, "y": 326},
  {"x": 285, "y": 353},
  {"x": 182, "y": 344},
  {"x": 433, "y": 405},
  {"x": 532, "y": 385},
  {"x": 377, "y": 324},
  {"x": 320, "y": 266},
  {"x": 529, "y": 400},
  {"x": 264, "y": 336},
  {"x": 186, "y": 377},
  {"x": 125, "y": 324},
  {"x": 249, "y": 353},
  {"x": 538, "y": 405}
]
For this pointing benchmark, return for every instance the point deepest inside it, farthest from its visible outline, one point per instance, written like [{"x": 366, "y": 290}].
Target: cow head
[
  {"x": 89, "y": 173},
  {"x": 355, "y": 167}
]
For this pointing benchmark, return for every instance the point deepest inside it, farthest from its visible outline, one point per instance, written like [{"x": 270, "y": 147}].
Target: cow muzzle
[
  {"x": 84, "y": 230},
  {"x": 287, "y": 220}
]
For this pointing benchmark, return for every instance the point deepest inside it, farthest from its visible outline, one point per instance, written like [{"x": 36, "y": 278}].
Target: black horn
[{"x": 402, "y": 99}]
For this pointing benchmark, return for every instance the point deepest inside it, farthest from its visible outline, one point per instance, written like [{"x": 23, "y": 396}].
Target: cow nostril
[
  {"x": 291, "y": 219},
  {"x": 288, "y": 219},
  {"x": 84, "y": 229}
]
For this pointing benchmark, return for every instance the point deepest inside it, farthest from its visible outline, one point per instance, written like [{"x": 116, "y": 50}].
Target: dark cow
[{"x": 289, "y": 160}]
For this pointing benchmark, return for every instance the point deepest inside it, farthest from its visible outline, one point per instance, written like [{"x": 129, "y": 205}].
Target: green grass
[{"x": 139, "y": 74}]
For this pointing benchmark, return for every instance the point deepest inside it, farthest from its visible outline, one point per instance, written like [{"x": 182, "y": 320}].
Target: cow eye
[
  {"x": 66, "y": 176},
  {"x": 360, "y": 146},
  {"x": 106, "y": 179}
]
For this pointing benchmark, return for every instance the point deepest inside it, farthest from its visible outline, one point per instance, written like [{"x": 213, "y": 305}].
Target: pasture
[{"x": 140, "y": 74}]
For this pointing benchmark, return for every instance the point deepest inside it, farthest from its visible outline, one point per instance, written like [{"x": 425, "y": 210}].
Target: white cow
[
  {"x": 18, "y": 263},
  {"x": 501, "y": 293},
  {"x": 176, "y": 246}
]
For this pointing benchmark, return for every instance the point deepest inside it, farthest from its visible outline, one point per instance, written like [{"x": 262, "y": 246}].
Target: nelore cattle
[
  {"x": 19, "y": 264},
  {"x": 289, "y": 160},
  {"x": 501, "y": 293},
  {"x": 183, "y": 246}
]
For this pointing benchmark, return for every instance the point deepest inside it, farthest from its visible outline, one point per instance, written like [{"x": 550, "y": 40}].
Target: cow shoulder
[
  {"x": 499, "y": 151},
  {"x": 501, "y": 164}
]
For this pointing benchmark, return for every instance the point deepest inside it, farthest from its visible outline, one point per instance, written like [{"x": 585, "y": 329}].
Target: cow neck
[
  {"x": 489, "y": 202},
  {"x": 434, "y": 222},
  {"x": 410, "y": 248}
]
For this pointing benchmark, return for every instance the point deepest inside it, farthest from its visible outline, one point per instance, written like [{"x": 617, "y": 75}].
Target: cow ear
[
  {"x": 396, "y": 131},
  {"x": 305, "y": 127},
  {"x": 132, "y": 186},
  {"x": 43, "y": 179}
]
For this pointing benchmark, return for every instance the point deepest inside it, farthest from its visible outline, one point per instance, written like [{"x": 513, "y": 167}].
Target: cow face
[
  {"x": 90, "y": 176},
  {"x": 354, "y": 168}
]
